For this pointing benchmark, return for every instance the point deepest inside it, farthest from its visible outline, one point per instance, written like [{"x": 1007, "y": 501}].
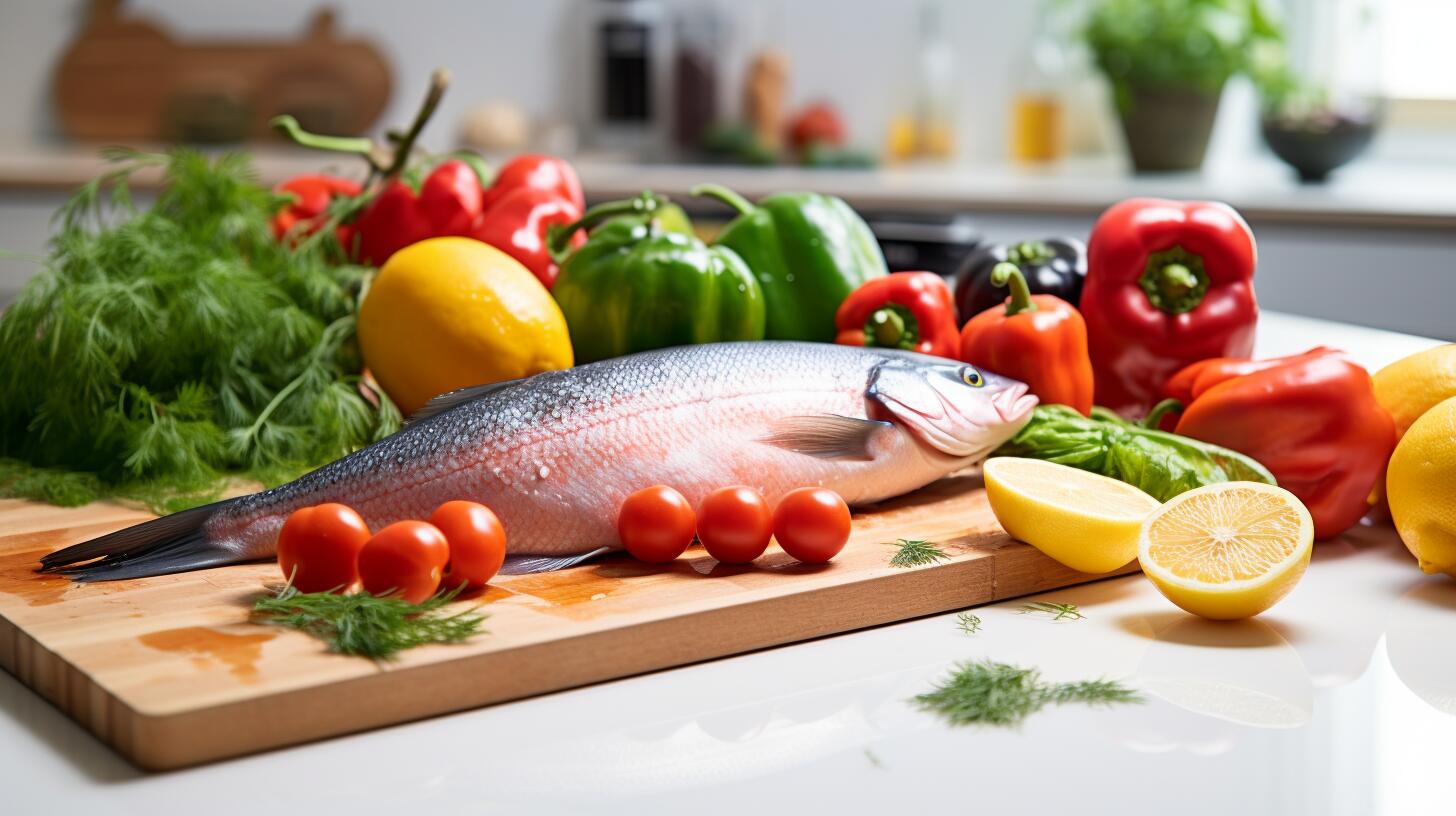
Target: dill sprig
[
  {"x": 968, "y": 623},
  {"x": 1056, "y": 611},
  {"x": 161, "y": 351},
  {"x": 991, "y": 693},
  {"x": 367, "y": 625},
  {"x": 914, "y": 552}
]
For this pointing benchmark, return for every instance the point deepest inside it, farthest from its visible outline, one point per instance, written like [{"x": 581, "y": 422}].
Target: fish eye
[{"x": 972, "y": 377}]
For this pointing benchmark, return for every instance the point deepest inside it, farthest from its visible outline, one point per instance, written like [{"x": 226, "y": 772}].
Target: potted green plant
[{"x": 1168, "y": 61}]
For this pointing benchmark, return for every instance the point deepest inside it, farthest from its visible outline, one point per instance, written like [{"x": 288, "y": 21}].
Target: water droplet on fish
[{"x": 543, "y": 472}]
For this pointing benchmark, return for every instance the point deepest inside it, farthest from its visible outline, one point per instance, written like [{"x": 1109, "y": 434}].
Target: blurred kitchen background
[{"x": 1331, "y": 124}]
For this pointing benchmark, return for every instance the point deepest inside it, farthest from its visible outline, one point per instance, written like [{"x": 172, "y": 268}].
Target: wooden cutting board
[{"x": 169, "y": 672}]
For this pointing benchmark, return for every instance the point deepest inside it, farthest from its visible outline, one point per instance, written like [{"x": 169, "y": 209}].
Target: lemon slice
[
  {"x": 1085, "y": 521},
  {"x": 1227, "y": 551}
]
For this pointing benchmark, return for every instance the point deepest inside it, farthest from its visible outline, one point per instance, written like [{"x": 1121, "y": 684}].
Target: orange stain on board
[
  {"x": 240, "y": 653},
  {"x": 19, "y": 578}
]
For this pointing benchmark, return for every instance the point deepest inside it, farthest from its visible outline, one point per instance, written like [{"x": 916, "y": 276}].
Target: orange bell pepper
[{"x": 1038, "y": 339}]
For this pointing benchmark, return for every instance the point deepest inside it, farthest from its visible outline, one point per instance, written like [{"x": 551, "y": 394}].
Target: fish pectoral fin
[
  {"x": 456, "y": 398},
  {"x": 523, "y": 563},
  {"x": 827, "y": 436}
]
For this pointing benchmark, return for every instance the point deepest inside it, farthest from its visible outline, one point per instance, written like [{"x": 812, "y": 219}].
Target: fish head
[{"x": 954, "y": 408}]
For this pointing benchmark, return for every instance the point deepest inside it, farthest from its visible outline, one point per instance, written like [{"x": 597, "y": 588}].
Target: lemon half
[
  {"x": 1227, "y": 551},
  {"x": 1085, "y": 521}
]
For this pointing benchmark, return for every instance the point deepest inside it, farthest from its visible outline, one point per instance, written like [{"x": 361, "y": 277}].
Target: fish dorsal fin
[
  {"x": 458, "y": 397},
  {"x": 525, "y": 564},
  {"x": 827, "y": 436}
]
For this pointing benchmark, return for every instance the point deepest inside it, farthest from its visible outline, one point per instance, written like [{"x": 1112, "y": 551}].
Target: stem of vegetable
[
  {"x": 725, "y": 195},
  {"x": 383, "y": 160},
  {"x": 558, "y": 238},
  {"x": 1030, "y": 252},
  {"x": 892, "y": 326},
  {"x": 1174, "y": 280},
  {"x": 1155, "y": 416},
  {"x": 1004, "y": 274}
]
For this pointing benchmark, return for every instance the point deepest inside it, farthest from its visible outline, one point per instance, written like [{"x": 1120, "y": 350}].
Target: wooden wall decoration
[{"x": 127, "y": 79}]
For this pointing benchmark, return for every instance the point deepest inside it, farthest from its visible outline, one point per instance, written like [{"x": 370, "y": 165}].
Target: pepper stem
[
  {"x": 892, "y": 326},
  {"x": 1174, "y": 280},
  {"x": 1009, "y": 274},
  {"x": 558, "y": 237},
  {"x": 385, "y": 160},
  {"x": 725, "y": 195},
  {"x": 1162, "y": 409}
]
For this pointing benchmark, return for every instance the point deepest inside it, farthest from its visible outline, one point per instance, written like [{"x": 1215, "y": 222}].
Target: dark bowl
[{"x": 1315, "y": 147}]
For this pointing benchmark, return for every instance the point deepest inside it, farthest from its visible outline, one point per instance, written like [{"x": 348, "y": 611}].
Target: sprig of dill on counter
[
  {"x": 1055, "y": 611},
  {"x": 991, "y": 693},
  {"x": 968, "y": 623},
  {"x": 913, "y": 552},
  {"x": 367, "y": 625},
  {"x": 161, "y": 351}
]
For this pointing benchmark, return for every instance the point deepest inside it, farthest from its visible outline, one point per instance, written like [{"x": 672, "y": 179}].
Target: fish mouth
[{"x": 1015, "y": 403}]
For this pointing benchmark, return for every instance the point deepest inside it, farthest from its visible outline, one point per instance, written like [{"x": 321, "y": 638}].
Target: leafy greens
[{"x": 162, "y": 351}]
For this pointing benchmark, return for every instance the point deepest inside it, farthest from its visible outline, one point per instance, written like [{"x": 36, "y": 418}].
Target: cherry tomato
[
  {"x": 656, "y": 524},
  {"x": 812, "y": 524},
  {"x": 477, "y": 543},
  {"x": 405, "y": 559},
  {"x": 734, "y": 524},
  {"x": 318, "y": 548}
]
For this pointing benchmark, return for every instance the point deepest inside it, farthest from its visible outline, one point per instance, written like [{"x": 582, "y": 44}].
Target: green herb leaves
[
  {"x": 991, "y": 693},
  {"x": 1158, "y": 463},
  {"x": 916, "y": 553},
  {"x": 161, "y": 351},
  {"x": 968, "y": 623},
  {"x": 1055, "y": 611},
  {"x": 367, "y": 625}
]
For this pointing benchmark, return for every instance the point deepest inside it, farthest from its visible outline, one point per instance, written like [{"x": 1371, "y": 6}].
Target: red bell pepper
[
  {"x": 516, "y": 224},
  {"x": 312, "y": 194},
  {"x": 449, "y": 203},
  {"x": 905, "y": 310},
  {"x": 1038, "y": 339},
  {"x": 1169, "y": 283},
  {"x": 541, "y": 172},
  {"x": 1311, "y": 418}
]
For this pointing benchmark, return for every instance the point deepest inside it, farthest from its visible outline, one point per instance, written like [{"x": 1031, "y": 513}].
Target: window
[{"x": 1417, "y": 60}]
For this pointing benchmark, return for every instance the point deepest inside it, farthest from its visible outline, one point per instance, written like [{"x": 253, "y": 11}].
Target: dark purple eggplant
[{"x": 1055, "y": 266}]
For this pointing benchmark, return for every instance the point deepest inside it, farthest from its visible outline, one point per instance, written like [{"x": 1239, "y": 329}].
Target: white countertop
[
  {"x": 1340, "y": 700},
  {"x": 1368, "y": 193}
]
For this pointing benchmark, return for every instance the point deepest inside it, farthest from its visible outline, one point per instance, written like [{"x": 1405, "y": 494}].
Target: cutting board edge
[{"x": 184, "y": 739}]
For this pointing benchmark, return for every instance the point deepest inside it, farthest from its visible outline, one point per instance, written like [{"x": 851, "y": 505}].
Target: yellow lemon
[
  {"x": 449, "y": 313},
  {"x": 1411, "y": 385},
  {"x": 1227, "y": 551},
  {"x": 1085, "y": 521},
  {"x": 1421, "y": 485}
]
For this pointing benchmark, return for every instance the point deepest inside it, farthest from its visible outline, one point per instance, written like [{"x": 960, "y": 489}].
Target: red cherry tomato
[
  {"x": 477, "y": 543},
  {"x": 735, "y": 524},
  {"x": 812, "y": 524},
  {"x": 405, "y": 559},
  {"x": 318, "y": 548},
  {"x": 656, "y": 524}
]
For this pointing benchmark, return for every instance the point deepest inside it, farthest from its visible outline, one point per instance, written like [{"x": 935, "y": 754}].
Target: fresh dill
[
  {"x": 914, "y": 552},
  {"x": 968, "y": 623},
  {"x": 367, "y": 625},
  {"x": 873, "y": 759},
  {"x": 1055, "y": 611},
  {"x": 161, "y": 351},
  {"x": 991, "y": 693}
]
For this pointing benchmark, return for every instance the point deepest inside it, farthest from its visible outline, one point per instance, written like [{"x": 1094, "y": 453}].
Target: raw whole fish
[{"x": 555, "y": 454}]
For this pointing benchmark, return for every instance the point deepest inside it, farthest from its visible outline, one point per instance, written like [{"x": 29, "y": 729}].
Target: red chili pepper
[
  {"x": 312, "y": 195},
  {"x": 1038, "y": 339},
  {"x": 541, "y": 172},
  {"x": 1168, "y": 283},
  {"x": 1311, "y": 418},
  {"x": 905, "y": 310},
  {"x": 517, "y": 225}
]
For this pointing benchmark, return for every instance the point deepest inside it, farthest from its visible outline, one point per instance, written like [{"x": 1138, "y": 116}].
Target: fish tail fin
[{"x": 174, "y": 543}]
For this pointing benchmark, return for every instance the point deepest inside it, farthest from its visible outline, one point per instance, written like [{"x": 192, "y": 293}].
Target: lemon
[
  {"x": 449, "y": 313},
  {"x": 1227, "y": 551},
  {"x": 1420, "y": 482},
  {"x": 1085, "y": 521},
  {"x": 1411, "y": 385}
]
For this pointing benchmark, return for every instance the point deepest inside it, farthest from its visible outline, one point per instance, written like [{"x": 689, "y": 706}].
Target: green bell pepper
[
  {"x": 808, "y": 250},
  {"x": 635, "y": 286}
]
